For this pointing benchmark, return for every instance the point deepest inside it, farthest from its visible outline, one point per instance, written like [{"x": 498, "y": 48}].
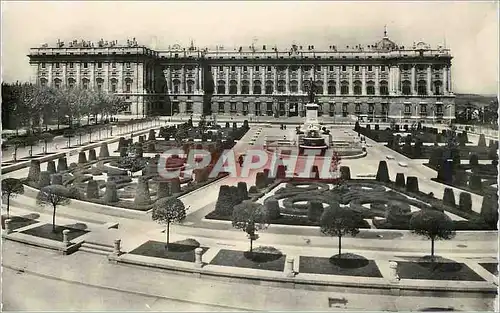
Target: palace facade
[{"x": 374, "y": 82}]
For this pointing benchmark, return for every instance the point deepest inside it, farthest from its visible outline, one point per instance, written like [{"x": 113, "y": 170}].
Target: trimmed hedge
[
  {"x": 44, "y": 179},
  {"x": 82, "y": 157},
  {"x": 465, "y": 201},
  {"x": 111, "y": 193},
  {"x": 34, "y": 171},
  {"x": 345, "y": 172},
  {"x": 273, "y": 209},
  {"x": 400, "y": 180},
  {"x": 449, "y": 197},
  {"x": 142, "y": 196},
  {"x": 104, "y": 152},
  {"x": 92, "y": 189},
  {"x": 51, "y": 167},
  {"x": 56, "y": 179},
  {"x": 412, "y": 184},
  {"x": 382, "y": 172},
  {"x": 62, "y": 165},
  {"x": 314, "y": 211}
]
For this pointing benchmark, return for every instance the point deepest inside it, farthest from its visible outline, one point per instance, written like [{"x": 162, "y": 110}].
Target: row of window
[
  {"x": 331, "y": 68},
  {"x": 85, "y": 64},
  {"x": 86, "y": 84}
]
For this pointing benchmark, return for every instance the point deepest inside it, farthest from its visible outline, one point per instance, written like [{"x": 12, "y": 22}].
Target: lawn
[
  {"x": 491, "y": 267},
  {"x": 256, "y": 260},
  {"x": 347, "y": 265},
  {"x": 176, "y": 251},
  {"x": 438, "y": 270},
  {"x": 45, "y": 231},
  {"x": 17, "y": 222}
]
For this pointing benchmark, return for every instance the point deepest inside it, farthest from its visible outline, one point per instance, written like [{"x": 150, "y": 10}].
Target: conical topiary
[
  {"x": 142, "y": 196},
  {"x": 345, "y": 172},
  {"x": 382, "y": 172},
  {"x": 123, "y": 152},
  {"x": 449, "y": 197},
  {"x": 412, "y": 184},
  {"x": 314, "y": 210},
  {"x": 51, "y": 167},
  {"x": 44, "y": 179},
  {"x": 175, "y": 185},
  {"x": 465, "y": 201},
  {"x": 273, "y": 208},
  {"x": 151, "y": 147},
  {"x": 111, "y": 194},
  {"x": 242, "y": 190},
  {"x": 104, "y": 152},
  {"x": 489, "y": 208},
  {"x": 62, "y": 165},
  {"x": 92, "y": 189},
  {"x": 482, "y": 141},
  {"x": 152, "y": 135},
  {"x": 400, "y": 180},
  {"x": 92, "y": 155},
  {"x": 34, "y": 171},
  {"x": 163, "y": 190},
  {"x": 82, "y": 158}
]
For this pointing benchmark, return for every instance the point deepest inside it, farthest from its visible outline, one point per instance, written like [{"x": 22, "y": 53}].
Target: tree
[
  {"x": 53, "y": 195},
  {"x": 168, "y": 211},
  {"x": 46, "y": 138},
  {"x": 432, "y": 224},
  {"x": 250, "y": 217},
  {"x": 10, "y": 188},
  {"x": 31, "y": 140},
  {"x": 339, "y": 221}
]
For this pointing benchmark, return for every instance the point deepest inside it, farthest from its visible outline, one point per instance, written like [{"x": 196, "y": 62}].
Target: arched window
[
  {"x": 257, "y": 87},
  {"x": 71, "y": 82},
  {"x": 128, "y": 85},
  {"x": 438, "y": 87},
  {"x": 269, "y": 87},
  {"x": 422, "y": 87},
  {"x": 43, "y": 82},
  {"x": 294, "y": 86},
  {"x": 233, "y": 87},
  {"x": 357, "y": 87},
  {"x": 114, "y": 83},
  {"x": 281, "y": 86},
  {"x": 99, "y": 82},
  {"x": 331, "y": 87},
  {"x": 245, "y": 87},
  {"x": 344, "y": 87},
  {"x": 221, "y": 87},
  {"x": 190, "y": 86},
  {"x": 319, "y": 87},
  {"x": 306, "y": 85},
  {"x": 406, "y": 87},
  {"x": 370, "y": 87},
  {"x": 384, "y": 88},
  {"x": 57, "y": 83},
  {"x": 85, "y": 83},
  {"x": 177, "y": 85}
]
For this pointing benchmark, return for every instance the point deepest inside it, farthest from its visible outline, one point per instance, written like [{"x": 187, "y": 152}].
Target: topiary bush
[
  {"x": 57, "y": 179},
  {"x": 400, "y": 180},
  {"x": 465, "y": 201},
  {"x": 449, "y": 197},
  {"x": 82, "y": 158},
  {"x": 227, "y": 200},
  {"x": 489, "y": 208},
  {"x": 75, "y": 193},
  {"x": 51, "y": 167},
  {"x": 273, "y": 208},
  {"x": 175, "y": 185},
  {"x": 314, "y": 211},
  {"x": 123, "y": 152},
  {"x": 398, "y": 214},
  {"x": 475, "y": 182},
  {"x": 460, "y": 178},
  {"x": 382, "y": 172},
  {"x": 151, "y": 147},
  {"x": 111, "y": 193},
  {"x": 260, "y": 180},
  {"x": 44, "y": 179},
  {"x": 139, "y": 152},
  {"x": 163, "y": 190},
  {"x": 92, "y": 189},
  {"x": 345, "y": 173},
  {"x": 92, "y": 155},
  {"x": 242, "y": 190},
  {"x": 412, "y": 184},
  {"x": 104, "y": 152},
  {"x": 473, "y": 159},
  {"x": 142, "y": 196},
  {"x": 253, "y": 190},
  {"x": 482, "y": 141},
  {"x": 34, "y": 171},
  {"x": 151, "y": 135}
]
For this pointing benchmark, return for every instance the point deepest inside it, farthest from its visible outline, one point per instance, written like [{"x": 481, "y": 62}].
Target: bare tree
[
  {"x": 10, "y": 188},
  {"x": 53, "y": 195},
  {"x": 167, "y": 211},
  {"x": 339, "y": 221},
  {"x": 250, "y": 217}
]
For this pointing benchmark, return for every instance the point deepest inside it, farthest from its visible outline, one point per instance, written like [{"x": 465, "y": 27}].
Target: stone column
[
  {"x": 413, "y": 84},
  {"x": 198, "y": 260},
  {"x": 78, "y": 74},
  {"x": 377, "y": 83},
  {"x": 397, "y": 72},
  {"x": 392, "y": 80},
  {"x": 65, "y": 237},
  {"x": 450, "y": 86},
  {"x": 169, "y": 79},
  {"x": 275, "y": 78},
  {"x": 8, "y": 228},
  {"x": 216, "y": 78},
  {"x": 325, "y": 80},
  {"x": 92, "y": 76},
  {"x": 197, "y": 77},
  {"x": 351, "y": 83},
  {"x": 363, "y": 80},
  {"x": 106, "y": 77},
  {"x": 238, "y": 88},
  {"x": 445, "y": 80},
  {"x": 288, "y": 271},
  {"x": 50, "y": 67},
  {"x": 287, "y": 79},
  {"x": 337, "y": 82},
  {"x": 394, "y": 278},
  {"x": 64, "y": 82},
  {"x": 299, "y": 78},
  {"x": 429, "y": 80},
  {"x": 227, "y": 80},
  {"x": 251, "y": 81},
  {"x": 117, "y": 247},
  {"x": 183, "y": 79}
]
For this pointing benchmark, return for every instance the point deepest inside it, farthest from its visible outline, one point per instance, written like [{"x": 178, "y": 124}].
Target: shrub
[
  {"x": 436, "y": 156},
  {"x": 51, "y": 167},
  {"x": 163, "y": 190},
  {"x": 314, "y": 211},
  {"x": 377, "y": 127},
  {"x": 74, "y": 193},
  {"x": 104, "y": 152},
  {"x": 57, "y": 179},
  {"x": 465, "y": 201},
  {"x": 449, "y": 197},
  {"x": 400, "y": 180},
  {"x": 382, "y": 172},
  {"x": 175, "y": 185},
  {"x": 482, "y": 141},
  {"x": 242, "y": 190},
  {"x": 473, "y": 159},
  {"x": 152, "y": 135},
  {"x": 475, "y": 182},
  {"x": 122, "y": 143},
  {"x": 465, "y": 137},
  {"x": 82, "y": 158},
  {"x": 489, "y": 208},
  {"x": 227, "y": 200},
  {"x": 92, "y": 189},
  {"x": 44, "y": 179},
  {"x": 111, "y": 194},
  {"x": 273, "y": 209},
  {"x": 142, "y": 196},
  {"x": 139, "y": 152},
  {"x": 34, "y": 171},
  {"x": 412, "y": 184},
  {"x": 253, "y": 190},
  {"x": 123, "y": 152},
  {"x": 460, "y": 178},
  {"x": 398, "y": 214},
  {"x": 92, "y": 155},
  {"x": 151, "y": 147},
  {"x": 345, "y": 172},
  {"x": 260, "y": 180},
  {"x": 445, "y": 171}
]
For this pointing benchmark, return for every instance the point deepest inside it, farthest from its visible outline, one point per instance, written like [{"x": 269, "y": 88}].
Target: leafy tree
[
  {"x": 339, "y": 221},
  {"x": 432, "y": 224},
  {"x": 167, "y": 211},
  {"x": 53, "y": 195},
  {"x": 46, "y": 138},
  {"x": 10, "y": 188},
  {"x": 250, "y": 217},
  {"x": 31, "y": 140}
]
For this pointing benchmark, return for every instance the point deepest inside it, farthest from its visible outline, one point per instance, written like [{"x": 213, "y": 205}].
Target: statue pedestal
[{"x": 311, "y": 122}]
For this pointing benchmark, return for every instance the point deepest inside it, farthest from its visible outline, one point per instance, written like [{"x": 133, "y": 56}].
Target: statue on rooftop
[{"x": 312, "y": 87}]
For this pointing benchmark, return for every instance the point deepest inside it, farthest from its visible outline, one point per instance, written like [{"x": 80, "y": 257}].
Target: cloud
[{"x": 470, "y": 28}]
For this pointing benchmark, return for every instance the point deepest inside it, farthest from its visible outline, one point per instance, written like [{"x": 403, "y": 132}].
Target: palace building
[{"x": 378, "y": 82}]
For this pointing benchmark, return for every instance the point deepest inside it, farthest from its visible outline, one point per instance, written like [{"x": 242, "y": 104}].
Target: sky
[{"x": 469, "y": 29}]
